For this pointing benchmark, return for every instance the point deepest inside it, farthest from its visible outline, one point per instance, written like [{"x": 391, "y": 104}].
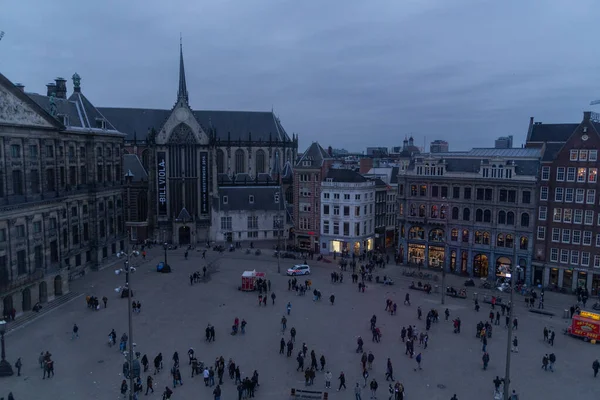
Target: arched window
[
  {"x": 525, "y": 220},
  {"x": 276, "y": 159},
  {"x": 220, "y": 161},
  {"x": 465, "y": 236},
  {"x": 466, "y": 214},
  {"x": 486, "y": 238},
  {"x": 500, "y": 240},
  {"x": 413, "y": 210},
  {"x": 487, "y": 216},
  {"x": 502, "y": 217},
  {"x": 455, "y": 213},
  {"x": 260, "y": 162},
  {"x": 510, "y": 218},
  {"x": 240, "y": 161},
  {"x": 434, "y": 211},
  {"x": 453, "y": 261},
  {"x": 436, "y": 235},
  {"x": 416, "y": 232},
  {"x": 523, "y": 243},
  {"x": 509, "y": 241},
  {"x": 479, "y": 215},
  {"x": 422, "y": 210},
  {"x": 478, "y": 237},
  {"x": 454, "y": 235},
  {"x": 443, "y": 212},
  {"x": 480, "y": 266}
]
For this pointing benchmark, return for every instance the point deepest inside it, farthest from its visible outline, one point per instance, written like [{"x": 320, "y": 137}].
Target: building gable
[
  {"x": 16, "y": 108},
  {"x": 181, "y": 127}
]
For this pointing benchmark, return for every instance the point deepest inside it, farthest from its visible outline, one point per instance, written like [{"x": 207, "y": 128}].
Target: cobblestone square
[{"x": 175, "y": 314}]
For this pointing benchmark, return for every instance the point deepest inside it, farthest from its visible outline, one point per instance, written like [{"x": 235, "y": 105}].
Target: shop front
[
  {"x": 582, "y": 279},
  {"x": 553, "y": 277},
  {"x": 416, "y": 253},
  {"x": 339, "y": 246},
  {"x": 595, "y": 285},
  {"x": 502, "y": 263},
  {"x": 436, "y": 256},
  {"x": 567, "y": 282},
  {"x": 480, "y": 266},
  {"x": 538, "y": 275}
]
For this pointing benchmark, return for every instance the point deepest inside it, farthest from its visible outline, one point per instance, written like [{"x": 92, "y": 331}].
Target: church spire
[{"x": 182, "y": 93}]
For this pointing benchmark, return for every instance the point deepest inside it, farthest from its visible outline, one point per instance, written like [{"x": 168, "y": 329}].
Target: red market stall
[
  {"x": 585, "y": 325},
  {"x": 249, "y": 279}
]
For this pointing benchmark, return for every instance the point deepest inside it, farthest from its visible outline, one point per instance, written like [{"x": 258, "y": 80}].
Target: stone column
[{"x": 560, "y": 277}]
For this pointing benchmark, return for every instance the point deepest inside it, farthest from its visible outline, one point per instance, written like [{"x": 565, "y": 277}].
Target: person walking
[
  {"x": 418, "y": 359},
  {"x": 390, "y": 371},
  {"x": 18, "y": 366},
  {"x": 104, "y": 300},
  {"x": 273, "y": 296},
  {"x": 486, "y": 360},
  {"x": 289, "y": 308},
  {"x": 75, "y": 332},
  {"x": 596, "y": 367},
  {"x": 149, "y": 384},
  {"x": 407, "y": 299},
  {"x": 124, "y": 388},
  {"x": 283, "y": 323},
  {"x": 342, "y": 379},
  {"x": 217, "y": 392},
  {"x": 328, "y": 377},
  {"x": 515, "y": 344},
  {"x": 552, "y": 359},
  {"x": 357, "y": 391},
  {"x": 551, "y": 340},
  {"x": 373, "y": 386},
  {"x": 545, "y": 362}
]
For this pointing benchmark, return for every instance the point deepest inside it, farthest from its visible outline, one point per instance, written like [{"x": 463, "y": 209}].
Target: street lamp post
[
  {"x": 512, "y": 275},
  {"x": 128, "y": 269},
  {"x": 5, "y": 367},
  {"x": 165, "y": 246}
]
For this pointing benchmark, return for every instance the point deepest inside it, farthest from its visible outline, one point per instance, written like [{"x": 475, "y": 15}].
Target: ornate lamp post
[
  {"x": 5, "y": 367},
  {"x": 127, "y": 269},
  {"x": 165, "y": 245},
  {"x": 507, "y": 273}
]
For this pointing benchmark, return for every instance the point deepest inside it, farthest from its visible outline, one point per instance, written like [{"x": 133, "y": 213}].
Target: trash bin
[
  {"x": 566, "y": 314},
  {"x": 436, "y": 288},
  {"x": 475, "y": 296}
]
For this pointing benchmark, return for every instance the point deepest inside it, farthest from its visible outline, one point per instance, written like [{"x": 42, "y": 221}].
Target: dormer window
[
  {"x": 277, "y": 198},
  {"x": 225, "y": 200},
  {"x": 306, "y": 163},
  {"x": 251, "y": 199},
  {"x": 64, "y": 119},
  {"x": 100, "y": 123}
]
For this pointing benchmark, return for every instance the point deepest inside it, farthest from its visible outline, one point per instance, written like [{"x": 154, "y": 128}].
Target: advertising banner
[
  {"x": 161, "y": 184},
  {"x": 204, "y": 183}
]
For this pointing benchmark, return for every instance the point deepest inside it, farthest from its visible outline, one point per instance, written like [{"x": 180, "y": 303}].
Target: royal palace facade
[{"x": 61, "y": 204}]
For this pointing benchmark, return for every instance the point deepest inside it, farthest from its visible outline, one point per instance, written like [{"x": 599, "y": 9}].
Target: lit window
[
  {"x": 593, "y": 175},
  {"x": 573, "y": 155},
  {"x": 581, "y": 174},
  {"x": 583, "y": 155}
]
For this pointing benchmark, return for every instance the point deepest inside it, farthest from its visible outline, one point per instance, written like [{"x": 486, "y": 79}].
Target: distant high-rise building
[
  {"x": 438, "y": 146},
  {"x": 377, "y": 151},
  {"x": 504, "y": 142}
]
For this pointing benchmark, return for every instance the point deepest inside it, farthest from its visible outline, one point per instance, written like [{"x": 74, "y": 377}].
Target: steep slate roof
[
  {"x": 18, "y": 93},
  {"x": 551, "y": 150},
  {"x": 236, "y": 125},
  {"x": 345, "y": 175},
  {"x": 81, "y": 112},
  {"x": 539, "y": 132},
  {"x": 315, "y": 154},
  {"x": 379, "y": 183},
  {"x": 132, "y": 163},
  {"x": 238, "y": 198}
]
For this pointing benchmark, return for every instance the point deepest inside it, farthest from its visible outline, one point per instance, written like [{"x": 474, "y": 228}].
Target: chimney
[
  {"x": 365, "y": 165},
  {"x": 51, "y": 89},
  {"x": 61, "y": 88},
  {"x": 587, "y": 115},
  {"x": 20, "y": 86},
  {"x": 330, "y": 151}
]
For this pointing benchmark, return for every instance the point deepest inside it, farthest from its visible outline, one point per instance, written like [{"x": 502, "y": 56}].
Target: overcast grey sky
[{"x": 347, "y": 73}]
